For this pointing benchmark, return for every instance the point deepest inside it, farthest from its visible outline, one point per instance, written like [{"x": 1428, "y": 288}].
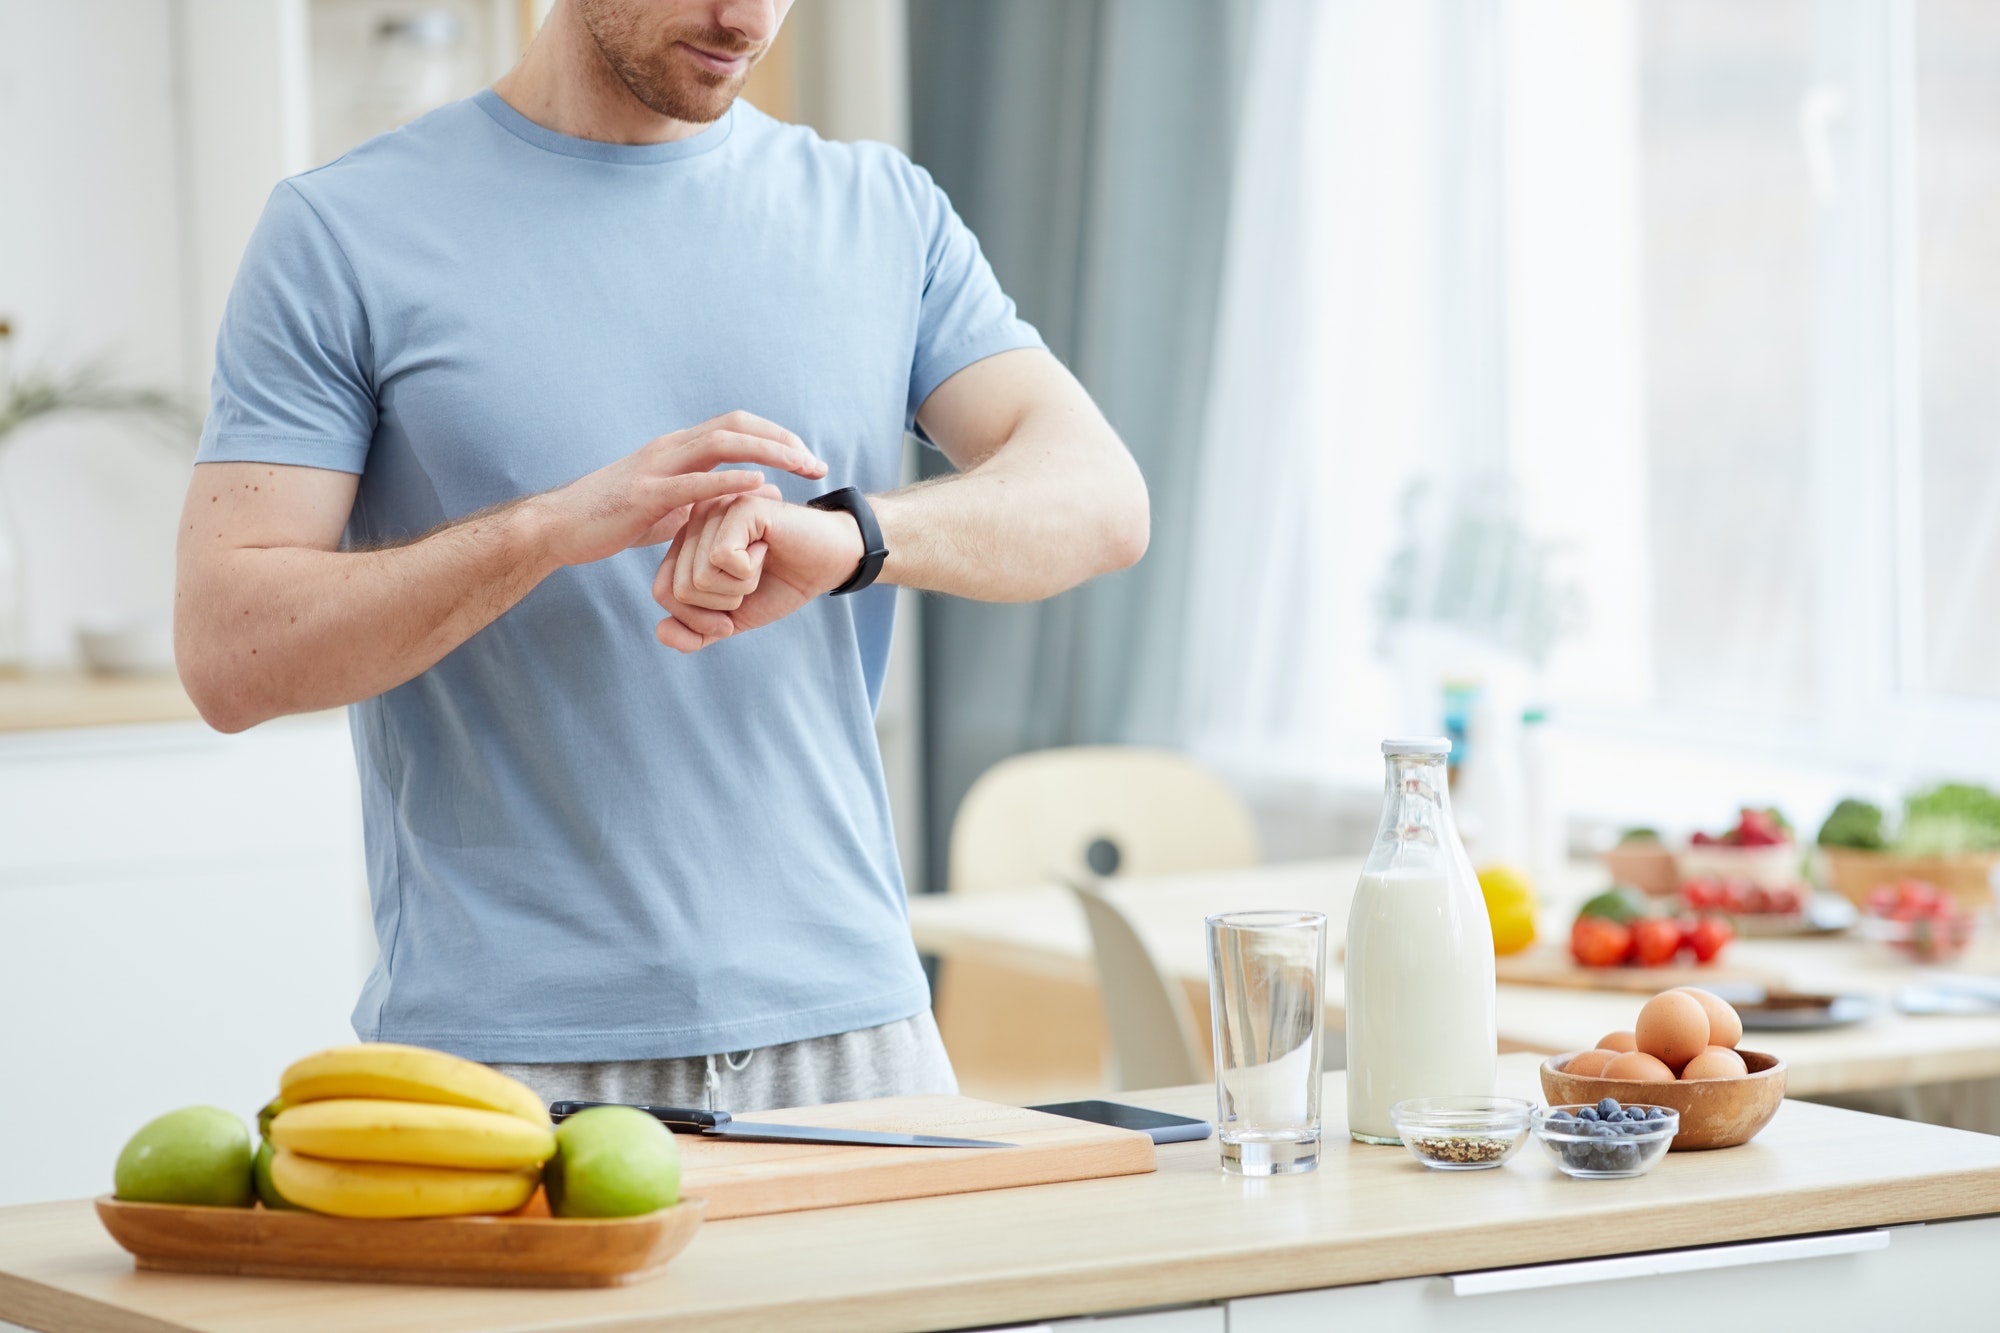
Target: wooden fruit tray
[{"x": 516, "y": 1250}]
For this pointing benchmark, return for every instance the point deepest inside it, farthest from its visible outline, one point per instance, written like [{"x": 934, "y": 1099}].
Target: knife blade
[{"x": 721, "y": 1125}]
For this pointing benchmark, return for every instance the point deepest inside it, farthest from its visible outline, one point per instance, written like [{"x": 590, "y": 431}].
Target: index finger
[{"x": 715, "y": 447}]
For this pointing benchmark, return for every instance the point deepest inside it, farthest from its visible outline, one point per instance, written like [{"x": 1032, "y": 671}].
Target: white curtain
[{"x": 1331, "y": 350}]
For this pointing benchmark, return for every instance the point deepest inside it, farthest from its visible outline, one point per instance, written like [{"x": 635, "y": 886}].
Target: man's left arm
[{"x": 1045, "y": 497}]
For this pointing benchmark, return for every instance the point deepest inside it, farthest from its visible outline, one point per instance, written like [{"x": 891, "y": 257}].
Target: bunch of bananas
[{"x": 398, "y": 1131}]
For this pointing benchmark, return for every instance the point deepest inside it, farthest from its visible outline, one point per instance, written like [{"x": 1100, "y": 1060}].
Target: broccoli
[{"x": 1854, "y": 823}]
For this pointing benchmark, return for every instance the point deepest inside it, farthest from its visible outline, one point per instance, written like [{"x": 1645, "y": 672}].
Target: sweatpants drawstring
[{"x": 711, "y": 1078}]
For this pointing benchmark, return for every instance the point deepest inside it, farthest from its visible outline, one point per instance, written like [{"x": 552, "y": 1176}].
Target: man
[{"x": 433, "y": 485}]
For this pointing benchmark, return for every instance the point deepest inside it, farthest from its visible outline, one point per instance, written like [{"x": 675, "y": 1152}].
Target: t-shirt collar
[{"x": 632, "y": 154}]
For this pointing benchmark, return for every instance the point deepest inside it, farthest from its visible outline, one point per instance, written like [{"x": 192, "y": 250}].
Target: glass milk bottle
[{"x": 1419, "y": 954}]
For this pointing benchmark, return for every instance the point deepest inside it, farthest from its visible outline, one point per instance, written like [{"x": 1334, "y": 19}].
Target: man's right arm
[{"x": 272, "y": 617}]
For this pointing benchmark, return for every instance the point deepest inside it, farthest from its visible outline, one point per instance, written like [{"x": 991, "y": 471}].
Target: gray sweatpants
[{"x": 895, "y": 1060}]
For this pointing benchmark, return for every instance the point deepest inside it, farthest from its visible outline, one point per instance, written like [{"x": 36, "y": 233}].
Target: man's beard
[{"x": 666, "y": 80}]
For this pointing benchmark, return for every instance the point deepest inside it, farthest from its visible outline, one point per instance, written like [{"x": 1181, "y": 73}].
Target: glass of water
[{"x": 1266, "y": 998}]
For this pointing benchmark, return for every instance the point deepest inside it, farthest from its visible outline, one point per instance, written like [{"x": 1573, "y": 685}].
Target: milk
[{"x": 1420, "y": 1008}]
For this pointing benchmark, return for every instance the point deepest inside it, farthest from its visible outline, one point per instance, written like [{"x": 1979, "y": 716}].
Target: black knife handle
[{"x": 680, "y": 1119}]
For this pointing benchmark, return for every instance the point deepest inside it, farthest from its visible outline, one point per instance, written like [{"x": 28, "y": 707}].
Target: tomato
[
  {"x": 1655, "y": 941},
  {"x": 1708, "y": 936},
  {"x": 1597, "y": 941}
]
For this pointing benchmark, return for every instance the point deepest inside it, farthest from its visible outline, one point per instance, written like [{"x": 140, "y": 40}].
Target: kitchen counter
[
  {"x": 1186, "y": 1235},
  {"x": 39, "y": 700}
]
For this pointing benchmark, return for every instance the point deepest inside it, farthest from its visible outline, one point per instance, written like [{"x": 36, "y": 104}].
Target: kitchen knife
[{"x": 720, "y": 1125}]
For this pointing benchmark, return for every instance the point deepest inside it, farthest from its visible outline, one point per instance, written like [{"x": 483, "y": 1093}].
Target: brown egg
[
  {"x": 1640, "y": 1066},
  {"x": 1725, "y": 1027},
  {"x": 1673, "y": 1028},
  {"x": 1617, "y": 1041},
  {"x": 1590, "y": 1064},
  {"x": 1716, "y": 1062}
]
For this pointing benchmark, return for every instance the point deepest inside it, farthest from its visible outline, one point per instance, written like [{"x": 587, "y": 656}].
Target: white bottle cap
[{"x": 1416, "y": 745}]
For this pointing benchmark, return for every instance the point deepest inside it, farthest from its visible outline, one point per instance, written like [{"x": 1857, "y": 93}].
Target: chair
[
  {"x": 1078, "y": 816},
  {"x": 1153, "y": 1037},
  {"x": 1095, "y": 812}
]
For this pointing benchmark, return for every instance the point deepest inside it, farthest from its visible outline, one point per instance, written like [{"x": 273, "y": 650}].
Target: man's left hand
[{"x": 748, "y": 560}]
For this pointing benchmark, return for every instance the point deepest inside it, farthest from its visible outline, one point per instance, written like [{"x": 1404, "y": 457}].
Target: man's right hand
[{"x": 644, "y": 498}]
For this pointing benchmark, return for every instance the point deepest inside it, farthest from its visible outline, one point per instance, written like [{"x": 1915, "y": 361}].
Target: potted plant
[{"x": 39, "y": 393}]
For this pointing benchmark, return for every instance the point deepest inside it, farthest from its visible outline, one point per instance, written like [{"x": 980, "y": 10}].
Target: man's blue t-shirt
[{"x": 583, "y": 845}]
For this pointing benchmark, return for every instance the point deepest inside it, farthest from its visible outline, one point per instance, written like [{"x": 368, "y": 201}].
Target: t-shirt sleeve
[
  {"x": 964, "y": 317},
  {"x": 294, "y": 379}
]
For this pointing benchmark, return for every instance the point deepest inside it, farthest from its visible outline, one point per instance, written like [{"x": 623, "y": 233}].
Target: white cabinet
[
  {"x": 181, "y": 914},
  {"x": 1902, "y": 1277}
]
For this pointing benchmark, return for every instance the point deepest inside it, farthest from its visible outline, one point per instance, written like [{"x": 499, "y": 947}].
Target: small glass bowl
[
  {"x": 1926, "y": 939},
  {"x": 1600, "y": 1150},
  {"x": 1461, "y": 1133}
]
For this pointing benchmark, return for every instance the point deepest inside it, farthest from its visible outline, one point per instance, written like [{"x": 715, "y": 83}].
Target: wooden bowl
[
  {"x": 1645, "y": 865},
  {"x": 509, "y": 1250},
  {"x": 1853, "y": 874},
  {"x": 1715, "y": 1112}
]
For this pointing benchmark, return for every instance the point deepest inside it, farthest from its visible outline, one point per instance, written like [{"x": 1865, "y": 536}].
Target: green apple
[
  {"x": 612, "y": 1161},
  {"x": 198, "y": 1154},
  {"x": 267, "y": 1191}
]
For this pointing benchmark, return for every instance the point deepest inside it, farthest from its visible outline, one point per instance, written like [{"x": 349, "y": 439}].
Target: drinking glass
[{"x": 1266, "y": 998}]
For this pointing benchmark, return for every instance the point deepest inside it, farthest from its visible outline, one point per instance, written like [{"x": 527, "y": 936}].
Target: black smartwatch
[{"x": 873, "y": 552}]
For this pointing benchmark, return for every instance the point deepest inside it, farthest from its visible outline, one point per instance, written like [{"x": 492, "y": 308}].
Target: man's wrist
[{"x": 525, "y": 536}]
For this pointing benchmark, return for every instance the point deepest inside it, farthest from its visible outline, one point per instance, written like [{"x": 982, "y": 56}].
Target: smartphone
[{"x": 1162, "y": 1127}]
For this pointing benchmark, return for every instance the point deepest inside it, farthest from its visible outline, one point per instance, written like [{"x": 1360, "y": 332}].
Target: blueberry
[
  {"x": 1655, "y": 1113},
  {"x": 1562, "y": 1117},
  {"x": 1608, "y": 1107},
  {"x": 1601, "y": 1130},
  {"x": 1636, "y": 1127},
  {"x": 1587, "y": 1113},
  {"x": 1619, "y": 1117}
]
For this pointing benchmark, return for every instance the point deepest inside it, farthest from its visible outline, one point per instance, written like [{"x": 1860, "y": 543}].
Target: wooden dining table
[{"x": 1039, "y": 932}]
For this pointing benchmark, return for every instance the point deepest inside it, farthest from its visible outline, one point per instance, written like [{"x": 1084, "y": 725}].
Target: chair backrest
[
  {"x": 1151, "y": 1026},
  {"x": 1094, "y": 812}
]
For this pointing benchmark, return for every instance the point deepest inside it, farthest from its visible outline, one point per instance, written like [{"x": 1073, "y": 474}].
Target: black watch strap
[{"x": 873, "y": 552}]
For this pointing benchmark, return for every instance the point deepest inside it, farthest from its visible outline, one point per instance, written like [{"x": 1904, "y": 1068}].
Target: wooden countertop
[
  {"x": 1186, "y": 1233},
  {"x": 40, "y": 700},
  {"x": 1041, "y": 930}
]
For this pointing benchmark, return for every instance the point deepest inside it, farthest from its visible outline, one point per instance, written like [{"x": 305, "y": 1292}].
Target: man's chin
[{"x": 698, "y": 96}]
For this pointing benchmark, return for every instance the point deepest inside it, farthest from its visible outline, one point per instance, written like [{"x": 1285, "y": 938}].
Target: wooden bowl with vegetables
[
  {"x": 1948, "y": 836},
  {"x": 1681, "y": 1054}
]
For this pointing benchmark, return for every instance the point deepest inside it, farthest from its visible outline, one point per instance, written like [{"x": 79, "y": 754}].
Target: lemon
[{"x": 1510, "y": 906}]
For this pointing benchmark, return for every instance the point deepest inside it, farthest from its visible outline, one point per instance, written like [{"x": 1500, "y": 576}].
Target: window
[
  {"x": 1956, "y": 69},
  {"x": 1748, "y": 298}
]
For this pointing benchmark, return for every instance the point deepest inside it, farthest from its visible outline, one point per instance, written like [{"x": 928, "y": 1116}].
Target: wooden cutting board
[
  {"x": 1552, "y": 965},
  {"x": 745, "y": 1179}
]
